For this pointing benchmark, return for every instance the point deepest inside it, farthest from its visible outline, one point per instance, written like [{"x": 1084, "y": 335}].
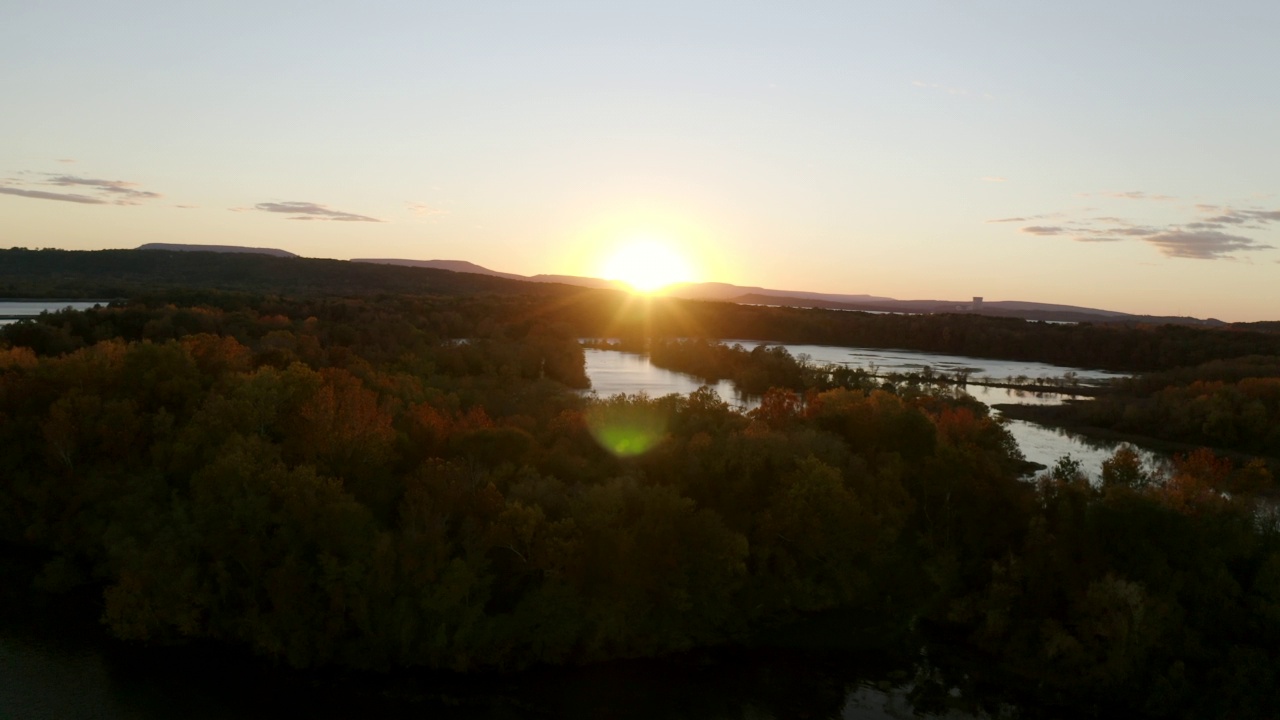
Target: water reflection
[
  {"x": 13, "y": 310},
  {"x": 885, "y": 361},
  {"x": 613, "y": 372}
]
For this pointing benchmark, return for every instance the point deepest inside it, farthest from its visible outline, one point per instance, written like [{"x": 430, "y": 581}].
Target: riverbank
[{"x": 1062, "y": 417}]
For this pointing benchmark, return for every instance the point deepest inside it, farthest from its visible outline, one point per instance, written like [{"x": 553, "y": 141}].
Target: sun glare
[{"x": 647, "y": 265}]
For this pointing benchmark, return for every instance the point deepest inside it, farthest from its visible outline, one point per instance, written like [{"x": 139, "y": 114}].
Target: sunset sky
[{"x": 1122, "y": 155}]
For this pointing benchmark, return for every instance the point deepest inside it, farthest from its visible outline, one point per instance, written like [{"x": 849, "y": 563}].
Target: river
[
  {"x": 614, "y": 372},
  {"x": 14, "y": 310}
]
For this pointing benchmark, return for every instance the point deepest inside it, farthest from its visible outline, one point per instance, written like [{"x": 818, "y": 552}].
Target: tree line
[{"x": 202, "y": 278}]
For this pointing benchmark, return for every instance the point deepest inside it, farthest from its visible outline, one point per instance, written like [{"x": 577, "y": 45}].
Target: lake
[
  {"x": 613, "y": 372},
  {"x": 14, "y": 310},
  {"x": 884, "y": 361}
]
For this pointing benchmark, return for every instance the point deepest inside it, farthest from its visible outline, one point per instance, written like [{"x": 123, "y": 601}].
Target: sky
[{"x": 1121, "y": 155}]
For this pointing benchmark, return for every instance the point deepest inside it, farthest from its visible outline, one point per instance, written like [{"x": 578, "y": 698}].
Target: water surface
[
  {"x": 613, "y": 372},
  {"x": 14, "y": 310}
]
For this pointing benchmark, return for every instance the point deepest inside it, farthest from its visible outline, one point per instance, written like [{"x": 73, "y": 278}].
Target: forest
[
  {"x": 408, "y": 479},
  {"x": 1231, "y": 405}
]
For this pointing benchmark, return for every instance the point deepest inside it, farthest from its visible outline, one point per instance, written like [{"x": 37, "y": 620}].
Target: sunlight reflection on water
[{"x": 614, "y": 372}]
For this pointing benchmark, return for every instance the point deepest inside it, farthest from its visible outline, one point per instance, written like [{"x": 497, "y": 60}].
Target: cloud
[
  {"x": 1202, "y": 245},
  {"x": 1231, "y": 216},
  {"x": 1028, "y": 218},
  {"x": 311, "y": 211},
  {"x": 1202, "y": 238},
  {"x": 994, "y": 178},
  {"x": 125, "y": 192},
  {"x": 66, "y": 160},
  {"x": 1134, "y": 231},
  {"x": 43, "y": 195},
  {"x": 101, "y": 192},
  {"x": 1227, "y": 220},
  {"x": 425, "y": 210}
]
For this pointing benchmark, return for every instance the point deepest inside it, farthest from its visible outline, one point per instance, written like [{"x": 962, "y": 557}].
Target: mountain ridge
[{"x": 754, "y": 295}]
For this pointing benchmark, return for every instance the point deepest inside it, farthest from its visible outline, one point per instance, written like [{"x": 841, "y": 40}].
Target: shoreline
[{"x": 1058, "y": 418}]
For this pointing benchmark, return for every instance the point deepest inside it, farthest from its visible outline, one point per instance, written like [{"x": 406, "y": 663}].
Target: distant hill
[
  {"x": 726, "y": 291},
  {"x": 1267, "y": 326},
  {"x": 180, "y": 247},
  {"x": 460, "y": 266},
  {"x": 751, "y": 295},
  {"x": 129, "y": 273},
  {"x": 1045, "y": 312},
  {"x": 580, "y": 281}
]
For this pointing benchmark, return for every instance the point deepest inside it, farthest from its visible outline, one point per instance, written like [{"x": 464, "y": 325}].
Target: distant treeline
[
  {"x": 1112, "y": 346},
  {"x": 752, "y": 371},
  {"x": 1226, "y": 404},
  {"x": 195, "y": 278},
  {"x": 399, "y": 481}
]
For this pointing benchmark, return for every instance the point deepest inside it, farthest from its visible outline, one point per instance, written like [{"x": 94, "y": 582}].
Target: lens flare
[{"x": 626, "y": 426}]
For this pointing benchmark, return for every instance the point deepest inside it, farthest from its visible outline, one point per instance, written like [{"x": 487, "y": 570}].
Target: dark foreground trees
[{"x": 350, "y": 484}]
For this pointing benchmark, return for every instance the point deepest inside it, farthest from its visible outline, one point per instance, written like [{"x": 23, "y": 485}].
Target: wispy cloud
[
  {"x": 1203, "y": 244},
  {"x": 126, "y": 193},
  {"x": 994, "y": 178},
  {"x": 1200, "y": 236},
  {"x": 1133, "y": 231},
  {"x": 1028, "y": 218},
  {"x": 1043, "y": 230},
  {"x": 1221, "y": 217},
  {"x": 44, "y": 195},
  {"x": 311, "y": 211},
  {"x": 96, "y": 191}
]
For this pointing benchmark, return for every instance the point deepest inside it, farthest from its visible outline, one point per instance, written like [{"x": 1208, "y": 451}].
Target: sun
[{"x": 647, "y": 265}]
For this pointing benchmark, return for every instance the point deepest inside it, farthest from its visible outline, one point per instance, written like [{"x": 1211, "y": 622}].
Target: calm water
[
  {"x": 613, "y": 373},
  {"x": 616, "y": 372},
  {"x": 905, "y": 361},
  {"x": 11, "y": 310}
]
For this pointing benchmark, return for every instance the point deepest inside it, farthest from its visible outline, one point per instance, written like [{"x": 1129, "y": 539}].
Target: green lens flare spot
[{"x": 626, "y": 427}]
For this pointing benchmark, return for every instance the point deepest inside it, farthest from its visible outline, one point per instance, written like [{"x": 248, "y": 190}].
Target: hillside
[
  {"x": 355, "y": 281},
  {"x": 180, "y": 247},
  {"x": 123, "y": 273}
]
